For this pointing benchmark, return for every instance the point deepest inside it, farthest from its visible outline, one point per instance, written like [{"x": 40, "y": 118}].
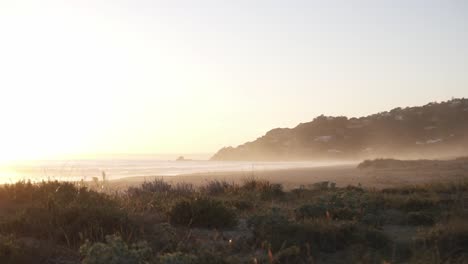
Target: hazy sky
[{"x": 83, "y": 77}]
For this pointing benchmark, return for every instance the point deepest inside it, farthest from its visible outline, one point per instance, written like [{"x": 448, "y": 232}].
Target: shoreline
[{"x": 342, "y": 175}]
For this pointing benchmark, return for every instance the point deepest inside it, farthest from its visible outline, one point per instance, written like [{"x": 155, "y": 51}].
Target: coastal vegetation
[
  {"x": 253, "y": 221},
  {"x": 434, "y": 130}
]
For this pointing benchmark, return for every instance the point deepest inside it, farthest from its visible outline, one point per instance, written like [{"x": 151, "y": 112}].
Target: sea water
[{"x": 123, "y": 167}]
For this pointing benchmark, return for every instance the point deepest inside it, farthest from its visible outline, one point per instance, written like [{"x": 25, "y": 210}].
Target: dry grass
[{"x": 228, "y": 222}]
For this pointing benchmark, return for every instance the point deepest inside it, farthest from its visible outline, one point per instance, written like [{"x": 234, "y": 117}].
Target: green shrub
[
  {"x": 183, "y": 189},
  {"x": 373, "y": 238},
  {"x": 216, "y": 187},
  {"x": 288, "y": 255},
  {"x": 206, "y": 257},
  {"x": 272, "y": 191},
  {"x": 263, "y": 225},
  {"x": 26, "y": 250},
  {"x": 406, "y": 190},
  {"x": 159, "y": 187},
  {"x": 242, "y": 205},
  {"x": 115, "y": 251},
  {"x": 156, "y": 186},
  {"x": 410, "y": 202},
  {"x": 162, "y": 237},
  {"x": 344, "y": 214},
  {"x": 265, "y": 189},
  {"x": 310, "y": 211},
  {"x": 66, "y": 214},
  {"x": 415, "y": 203},
  {"x": 450, "y": 239},
  {"x": 325, "y": 235},
  {"x": 372, "y": 220},
  {"x": 420, "y": 218},
  {"x": 177, "y": 258},
  {"x": 202, "y": 212},
  {"x": 320, "y": 186}
]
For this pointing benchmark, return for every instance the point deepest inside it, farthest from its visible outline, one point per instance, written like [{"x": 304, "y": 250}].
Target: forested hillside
[{"x": 432, "y": 130}]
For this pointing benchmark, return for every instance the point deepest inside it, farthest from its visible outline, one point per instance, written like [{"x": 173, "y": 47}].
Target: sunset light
[{"x": 233, "y": 131}]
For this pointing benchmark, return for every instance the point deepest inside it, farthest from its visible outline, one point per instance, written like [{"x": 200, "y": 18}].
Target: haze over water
[{"x": 133, "y": 166}]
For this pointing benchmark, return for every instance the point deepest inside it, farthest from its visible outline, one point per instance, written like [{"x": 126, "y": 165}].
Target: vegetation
[
  {"x": 432, "y": 130},
  {"x": 202, "y": 212},
  {"x": 115, "y": 251},
  {"x": 459, "y": 163},
  {"x": 222, "y": 223}
]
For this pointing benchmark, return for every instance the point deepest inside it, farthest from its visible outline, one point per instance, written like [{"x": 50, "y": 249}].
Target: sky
[{"x": 91, "y": 77}]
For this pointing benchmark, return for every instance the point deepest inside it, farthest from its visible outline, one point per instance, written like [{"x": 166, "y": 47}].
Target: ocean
[{"x": 117, "y": 168}]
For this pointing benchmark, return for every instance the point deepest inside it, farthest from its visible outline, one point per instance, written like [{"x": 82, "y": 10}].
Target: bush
[
  {"x": 203, "y": 212},
  {"x": 159, "y": 186},
  {"x": 320, "y": 186},
  {"x": 242, "y": 205},
  {"x": 450, "y": 239},
  {"x": 211, "y": 258},
  {"x": 344, "y": 214},
  {"x": 327, "y": 236},
  {"x": 177, "y": 258},
  {"x": 372, "y": 220},
  {"x": 66, "y": 214},
  {"x": 115, "y": 251},
  {"x": 265, "y": 189},
  {"x": 216, "y": 187},
  {"x": 156, "y": 186},
  {"x": 420, "y": 219},
  {"x": 183, "y": 189},
  {"x": 162, "y": 237},
  {"x": 415, "y": 203},
  {"x": 272, "y": 191},
  {"x": 310, "y": 211},
  {"x": 24, "y": 251},
  {"x": 373, "y": 238}
]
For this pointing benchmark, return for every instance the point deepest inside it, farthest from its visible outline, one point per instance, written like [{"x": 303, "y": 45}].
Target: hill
[{"x": 434, "y": 130}]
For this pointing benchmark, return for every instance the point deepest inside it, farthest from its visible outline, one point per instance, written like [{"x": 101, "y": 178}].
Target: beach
[{"x": 342, "y": 175}]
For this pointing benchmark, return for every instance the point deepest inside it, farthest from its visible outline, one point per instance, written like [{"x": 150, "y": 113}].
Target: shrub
[
  {"x": 415, "y": 203},
  {"x": 272, "y": 191},
  {"x": 420, "y": 218},
  {"x": 177, "y": 258},
  {"x": 265, "y": 189},
  {"x": 160, "y": 188},
  {"x": 275, "y": 228},
  {"x": 344, "y": 214},
  {"x": 252, "y": 184},
  {"x": 210, "y": 258},
  {"x": 156, "y": 186},
  {"x": 216, "y": 187},
  {"x": 450, "y": 239},
  {"x": 373, "y": 238},
  {"x": 405, "y": 190},
  {"x": 372, "y": 220},
  {"x": 162, "y": 237},
  {"x": 353, "y": 188},
  {"x": 66, "y": 214},
  {"x": 24, "y": 251},
  {"x": 242, "y": 205},
  {"x": 320, "y": 186},
  {"x": 287, "y": 255},
  {"x": 183, "y": 189},
  {"x": 115, "y": 251},
  {"x": 203, "y": 212},
  {"x": 310, "y": 211},
  {"x": 300, "y": 192}
]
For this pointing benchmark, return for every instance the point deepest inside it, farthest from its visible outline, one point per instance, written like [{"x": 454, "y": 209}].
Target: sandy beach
[{"x": 341, "y": 175}]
